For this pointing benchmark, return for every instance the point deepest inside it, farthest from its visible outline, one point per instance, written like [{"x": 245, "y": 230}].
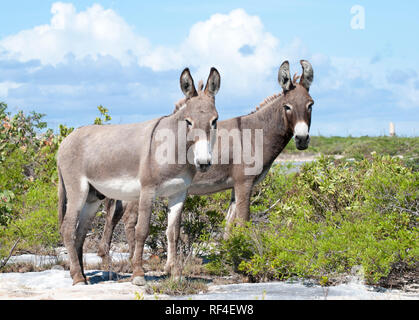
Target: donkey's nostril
[
  {"x": 302, "y": 142},
  {"x": 302, "y": 138},
  {"x": 204, "y": 166}
]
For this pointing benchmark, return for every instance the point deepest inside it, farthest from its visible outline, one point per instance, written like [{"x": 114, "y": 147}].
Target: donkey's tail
[{"x": 62, "y": 199}]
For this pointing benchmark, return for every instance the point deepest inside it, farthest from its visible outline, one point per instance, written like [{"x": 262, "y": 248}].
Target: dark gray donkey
[
  {"x": 125, "y": 162},
  {"x": 280, "y": 117}
]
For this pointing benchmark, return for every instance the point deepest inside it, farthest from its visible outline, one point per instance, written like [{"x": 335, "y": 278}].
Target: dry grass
[{"x": 176, "y": 286}]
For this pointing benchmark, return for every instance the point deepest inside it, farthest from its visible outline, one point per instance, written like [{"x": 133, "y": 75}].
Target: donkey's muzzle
[
  {"x": 202, "y": 153},
  {"x": 301, "y": 142},
  {"x": 203, "y": 167}
]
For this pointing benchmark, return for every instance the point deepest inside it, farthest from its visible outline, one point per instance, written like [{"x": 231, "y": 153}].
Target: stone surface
[{"x": 57, "y": 284}]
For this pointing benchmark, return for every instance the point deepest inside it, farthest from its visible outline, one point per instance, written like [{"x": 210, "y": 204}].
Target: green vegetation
[
  {"x": 201, "y": 220},
  {"x": 319, "y": 223},
  {"x": 28, "y": 194},
  {"x": 174, "y": 287},
  {"x": 28, "y": 183},
  {"x": 333, "y": 216},
  {"x": 408, "y": 147},
  {"x": 104, "y": 116}
]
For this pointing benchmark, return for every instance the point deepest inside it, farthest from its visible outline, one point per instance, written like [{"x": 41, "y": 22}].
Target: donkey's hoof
[
  {"x": 167, "y": 270},
  {"x": 80, "y": 283},
  {"x": 139, "y": 281},
  {"x": 176, "y": 278}
]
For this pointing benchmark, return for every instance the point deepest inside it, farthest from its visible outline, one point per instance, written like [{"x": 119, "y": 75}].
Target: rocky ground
[{"x": 56, "y": 284}]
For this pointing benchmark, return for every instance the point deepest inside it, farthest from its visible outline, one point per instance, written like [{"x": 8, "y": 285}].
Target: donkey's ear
[
  {"x": 186, "y": 84},
  {"x": 284, "y": 77},
  {"x": 307, "y": 76},
  {"x": 213, "y": 82}
]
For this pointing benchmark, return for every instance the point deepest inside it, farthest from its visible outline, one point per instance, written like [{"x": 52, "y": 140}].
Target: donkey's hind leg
[
  {"x": 231, "y": 215},
  {"x": 114, "y": 212},
  {"x": 85, "y": 221},
  {"x": 239, "y": 211},
  {"x": 77, "y": 192}
]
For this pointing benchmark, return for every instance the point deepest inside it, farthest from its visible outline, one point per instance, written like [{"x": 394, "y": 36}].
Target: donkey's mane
[
  {"x": 267, "y": 101},
  {"x": 181, "y": 103},
  {"x": 273, "y": 98}
]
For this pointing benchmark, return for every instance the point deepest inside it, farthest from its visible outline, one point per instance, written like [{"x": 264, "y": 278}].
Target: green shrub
[
  {"x": 201, "y": 221},
  {"x": 35, "y": 227},
  {"x": 156, "y": 240},
  {"x": 28, "y": 181},
  {"x": 6, "y": 198},
  {"x": 332, "y": 216}
]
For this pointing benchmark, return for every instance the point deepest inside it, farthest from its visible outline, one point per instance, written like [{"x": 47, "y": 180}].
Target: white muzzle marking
[
  {"x": 301, "y": 129},
  {"x": 202, "y": 152}
]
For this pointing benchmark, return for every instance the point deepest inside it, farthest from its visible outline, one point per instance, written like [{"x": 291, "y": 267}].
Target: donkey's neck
[{"x": 276, "y": 131}]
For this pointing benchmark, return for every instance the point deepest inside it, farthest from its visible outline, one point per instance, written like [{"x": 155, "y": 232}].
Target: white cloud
[
  {"x": 214, "y": 42},
  {"x": 218, "y": 42},
  {"x": 93, "y": 32},
  {"x": 6, "y": 86},
  {"x": 408, "y": 95}
]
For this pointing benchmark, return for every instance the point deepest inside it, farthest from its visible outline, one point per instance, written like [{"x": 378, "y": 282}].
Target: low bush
[
  {"x": 332, "y": 216},
  {"x": 28, "y": 183},
  {"x": 201, "y": 222},
  {"x": 176, "y": 287}
]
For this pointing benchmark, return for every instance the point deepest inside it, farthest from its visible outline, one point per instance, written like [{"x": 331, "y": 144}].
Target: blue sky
[{"x": 65, "y": 58}]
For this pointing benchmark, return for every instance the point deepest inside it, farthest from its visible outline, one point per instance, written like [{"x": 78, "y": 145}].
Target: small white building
[{"x": 392, "y": 130}]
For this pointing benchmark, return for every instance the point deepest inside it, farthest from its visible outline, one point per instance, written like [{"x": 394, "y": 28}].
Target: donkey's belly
[
  {"x": 209, "y": 187},
  {"x": 121, "y": 188},
  {"x": 174, "y": 186}
]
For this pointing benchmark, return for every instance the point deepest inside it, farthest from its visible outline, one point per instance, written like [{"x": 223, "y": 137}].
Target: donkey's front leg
[
  {"x": 240, "y": 206},
  {"x": 173, "y": 229},
  {"x": 141, "y": 232}
]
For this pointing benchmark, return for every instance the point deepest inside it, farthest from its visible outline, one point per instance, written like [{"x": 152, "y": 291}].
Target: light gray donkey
[{"x": 123, "y": 162}]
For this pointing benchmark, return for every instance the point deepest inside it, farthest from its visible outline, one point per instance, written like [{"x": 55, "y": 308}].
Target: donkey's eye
[
  {"x": 188, "y": 122},
  {"x": 287, "y": 107},
  {"x": 310, "y": 107}
]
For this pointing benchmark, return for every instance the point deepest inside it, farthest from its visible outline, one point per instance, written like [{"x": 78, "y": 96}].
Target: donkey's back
[{"x": 106, "y": 157}]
